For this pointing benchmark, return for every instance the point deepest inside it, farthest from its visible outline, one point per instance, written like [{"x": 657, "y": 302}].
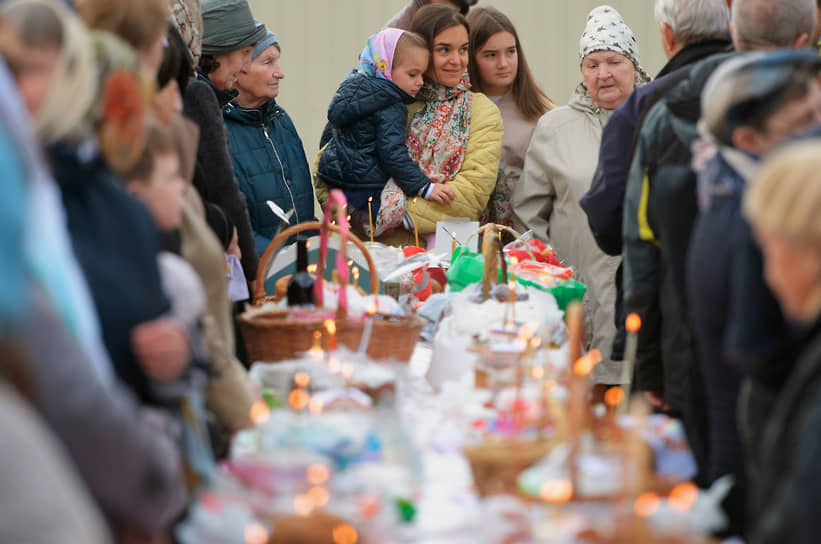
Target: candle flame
[
  {"x": 318, "y": 474},
  {"x": 584, "y": 365},
  {"x": 334, "y": 365},
  {"x": 307, "y": 244},
  {"x": 355, "y": 273},
  {"x": 312, "y": 268},
  {"x": 319, "y": 496},
  {"x": 370, "y": 199},
  {"x": 536, "y": 342},
  {"x": 514, "y": 261},
  {"x": 315, "y": 406},
  {"x": 683, "y": 497},
  {"x": 255, "y": 533},
  {"x": 330, "y": 326},
  {"x": 302, "y": 379},
  {"x": 614, "y": 397},
  {"x": 298, "y": 399},
  {"x": 633, "y": 323},
  {"x": 303, "y": 505},
  {"x": 646, "y": 505},
  {"x": 350, "y": 262},
  {"x": 260, "y": 413},
  {"x": 556, "y": 491},
  {"x": 345, "y": 534}
]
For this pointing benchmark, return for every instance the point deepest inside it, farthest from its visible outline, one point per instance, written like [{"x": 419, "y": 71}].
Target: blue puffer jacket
[
  {"x": 366, "y": 139},
  {"x": 270, "y": 164}
]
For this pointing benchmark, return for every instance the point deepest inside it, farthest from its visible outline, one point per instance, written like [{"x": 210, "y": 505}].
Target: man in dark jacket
[
  {"x": 660, "y": 210},
  {"x": 690, "y": 31},
  {"x": 750, "y": 105}
]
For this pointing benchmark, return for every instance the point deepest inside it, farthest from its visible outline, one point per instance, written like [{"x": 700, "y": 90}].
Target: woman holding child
[{"x": 455, "y": 135}]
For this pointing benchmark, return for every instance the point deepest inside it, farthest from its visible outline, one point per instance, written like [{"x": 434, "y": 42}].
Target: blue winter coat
[
  {"x": 367, "y": 140},
  {"x": 270, "y": 164}
]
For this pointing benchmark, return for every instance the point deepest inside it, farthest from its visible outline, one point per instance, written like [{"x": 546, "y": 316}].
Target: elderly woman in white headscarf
[{"x": 559, "y": 167}]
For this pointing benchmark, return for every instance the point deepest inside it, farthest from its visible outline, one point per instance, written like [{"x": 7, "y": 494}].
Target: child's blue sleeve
[{"x": 393, "y": 153}]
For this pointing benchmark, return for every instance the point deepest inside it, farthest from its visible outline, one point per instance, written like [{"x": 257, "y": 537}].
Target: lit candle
[
  {"x": 415, "y": 222},
  {"x": 355, "y": 274},
  {"x": 632, "y": 324},
  {"x": 370, "y": 216},
  {"x": 512, "y": 287},
  {"x": 316, "y": 352},
  {"x": 330, "y": 326},
  {"x": 453, "y": 244}
]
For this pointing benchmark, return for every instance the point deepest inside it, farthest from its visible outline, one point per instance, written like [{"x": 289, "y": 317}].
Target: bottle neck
[{"x": 302, "y": 255}]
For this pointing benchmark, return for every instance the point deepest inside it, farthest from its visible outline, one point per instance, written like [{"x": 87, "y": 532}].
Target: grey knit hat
[
  {"x": 267, "y": 41},
  {"x": 228, "y": 26}
]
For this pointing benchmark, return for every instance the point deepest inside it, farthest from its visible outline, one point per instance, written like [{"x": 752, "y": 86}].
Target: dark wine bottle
[{"x": 301, "y": 286}]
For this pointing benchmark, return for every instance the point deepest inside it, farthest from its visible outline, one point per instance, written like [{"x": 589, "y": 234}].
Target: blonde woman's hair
[
  {"x": 785, "y": 197},
  {"x": 47, "y": 24}
]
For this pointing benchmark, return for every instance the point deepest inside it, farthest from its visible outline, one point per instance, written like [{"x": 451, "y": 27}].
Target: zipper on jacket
[{"x": 282, "y": 170}]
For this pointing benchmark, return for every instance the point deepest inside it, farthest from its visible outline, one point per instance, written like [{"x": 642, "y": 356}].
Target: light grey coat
[{"x": 558, "y": 169}]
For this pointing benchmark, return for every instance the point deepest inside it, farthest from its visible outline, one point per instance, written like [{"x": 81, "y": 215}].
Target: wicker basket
[
  {"x": 496, "y": 465},
  {"x": 276, "y": 336}
]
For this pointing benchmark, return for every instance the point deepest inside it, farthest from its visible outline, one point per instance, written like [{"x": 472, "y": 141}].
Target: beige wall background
[{"x": 321, "y": 41}]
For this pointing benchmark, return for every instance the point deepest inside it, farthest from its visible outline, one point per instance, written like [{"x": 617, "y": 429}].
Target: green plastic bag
[{"x": 467, "y": 268}]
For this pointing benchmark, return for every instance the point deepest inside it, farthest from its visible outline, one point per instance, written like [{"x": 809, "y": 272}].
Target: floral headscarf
[
  {"x": 187, "y": 15},
  {"x": 438, "y": 134},
  {"x": 605, "y": 30},
  {"x": 376, "y": 59}
]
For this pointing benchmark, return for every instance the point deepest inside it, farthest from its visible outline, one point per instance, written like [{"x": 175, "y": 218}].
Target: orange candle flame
[
  {"x": 683, "y": 497},
  {"x": 646, "y": 505},
  {"x": 255, "y": 533},
  {"x": 302, "y": 379},
  {"x": 260, "y": 413},
  {"x": 585, "y": 365},
  {"x": 614, "y": 397},
  {"x": 303, "y": 505},
  {"x": 334, "y": 365},
  {"x": 330, "y": 326},
  {"x": 319, "y": 496},
  {"x": 315, "y": 406},
  {"x": 345, "y": 534},
  {"x": 318, "y": 474},
  {"x": 633, "y": 323},
  {"x": 556, "y": 491},
  {"x": 298, "y": 399}
]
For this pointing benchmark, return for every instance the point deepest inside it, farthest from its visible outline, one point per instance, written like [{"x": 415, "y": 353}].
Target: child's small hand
[
  {"x": 161, "y": 348},
  {"x": 233, "y": 247},
  {"x": 442, "y": 194}
]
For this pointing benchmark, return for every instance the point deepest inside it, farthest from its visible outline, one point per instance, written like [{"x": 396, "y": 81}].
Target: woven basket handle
[
  {"x": 276, "y": 245},
  {"x": 500, "y": 228},
  {"x": 336, "y": 198}
]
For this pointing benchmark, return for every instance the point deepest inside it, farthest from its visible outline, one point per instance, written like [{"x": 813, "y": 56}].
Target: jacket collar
[
  {"x": 223, "y": 96},
  {"x": 684, "y": 100},
  {"x": 694, "y": 52},
  {"x": 583, "y": 102},
  {"x": 253, "y": 116}
]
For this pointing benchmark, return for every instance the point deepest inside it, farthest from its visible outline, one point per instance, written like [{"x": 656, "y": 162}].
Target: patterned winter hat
[
  {"x": 752, "y": 86},
  {"x": 606, "y": 31}
]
